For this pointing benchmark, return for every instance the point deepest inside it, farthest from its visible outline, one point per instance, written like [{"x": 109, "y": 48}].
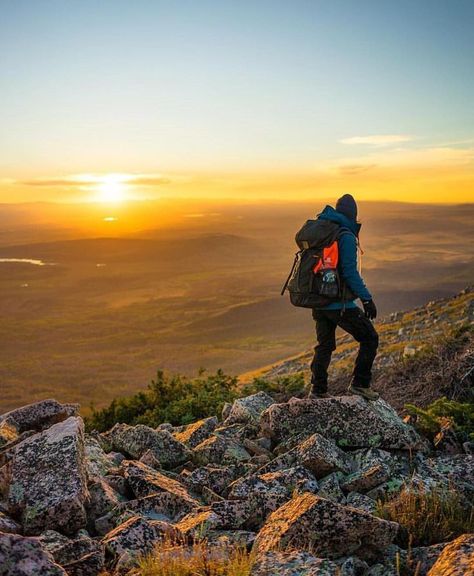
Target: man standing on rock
[{"x": 346, "y": 314}]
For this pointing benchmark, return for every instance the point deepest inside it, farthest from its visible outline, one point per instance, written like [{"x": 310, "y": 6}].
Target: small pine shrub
[
  {"x": 169, "y": 398},
  {"x": 430, "y": 420},
  {"x": 429, "y": 517},
  {"x": 281, "y": 388}
]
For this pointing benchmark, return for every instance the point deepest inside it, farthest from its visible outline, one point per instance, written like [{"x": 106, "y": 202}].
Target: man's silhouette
[{"x": 346, "y": 314}]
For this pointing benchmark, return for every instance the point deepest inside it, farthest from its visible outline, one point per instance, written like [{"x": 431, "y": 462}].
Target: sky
[{"x": 275, "y": 100}]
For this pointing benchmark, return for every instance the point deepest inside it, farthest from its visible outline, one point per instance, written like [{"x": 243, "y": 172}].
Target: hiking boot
[
  {"x": 318, "y": 395},
  {"x": 366, "y": 393}
]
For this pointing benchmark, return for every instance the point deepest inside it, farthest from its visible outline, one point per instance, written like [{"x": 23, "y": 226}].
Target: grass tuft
[{"x": 429, "y": 517}]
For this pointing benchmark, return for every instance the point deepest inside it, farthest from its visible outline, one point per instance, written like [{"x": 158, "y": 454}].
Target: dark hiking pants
[{"x": 360, "y": 328}]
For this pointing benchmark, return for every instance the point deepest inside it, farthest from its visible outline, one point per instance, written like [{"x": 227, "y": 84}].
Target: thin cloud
[
  {"x": 92, "y": 179},
  {"x": 354, "y": 169},
  {"x": 378, "y": 139}
]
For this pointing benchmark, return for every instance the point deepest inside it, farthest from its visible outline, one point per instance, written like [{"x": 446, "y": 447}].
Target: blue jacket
[{"x": 347, "y": 258}]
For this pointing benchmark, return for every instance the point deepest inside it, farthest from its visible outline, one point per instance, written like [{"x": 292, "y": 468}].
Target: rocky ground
[{"x": 296, "y": 482}]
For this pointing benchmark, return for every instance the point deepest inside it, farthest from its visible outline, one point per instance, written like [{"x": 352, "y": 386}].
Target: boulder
[
  {"x": 48, "y": 479},
  {"x": 322, "y": 456},
  {"x": 248, "y": 409},
  {"x": 97, "y": 461},
  {"x": 80, "y": 557},
  {"x": 449, "y": 472},
  {"x": 219, "y": 450},
  {"x": 361, "y": 501},
  {"x": 223, "y": 515},
  {"x": 216, "y": 478},
  {"x": 330, "y": 488},
  {"x": 40, "y": 415},
  {"x": 309, "y": 522},
  {"x": 137, "y": 536},
  {"x": 422, "y": 558},
  {"x": 103, "y": 498},
  {"x": 365, "y": 479},
  {"x": 195, "y": 433},
  {"x": 23, "y": 556},
  {"x": 9, "y": 525},
  {"x": 267, "y": 492},
  {"x": 294, "y": 564},
  {"x": 136, "y": 440},
  {"x": 350, "y": 421},
  {"x": 456, "y": 559},
  {"x": 145, "y": 482}
]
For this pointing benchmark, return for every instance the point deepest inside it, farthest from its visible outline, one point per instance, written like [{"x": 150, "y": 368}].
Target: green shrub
[
  {"x": 281, "y": 388},
  {"x": 430, "y": 420},
  {"x": 169, "y": 398}
]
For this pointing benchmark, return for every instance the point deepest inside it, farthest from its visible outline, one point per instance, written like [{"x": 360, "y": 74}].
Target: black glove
[{"x": 370, "y": 309}]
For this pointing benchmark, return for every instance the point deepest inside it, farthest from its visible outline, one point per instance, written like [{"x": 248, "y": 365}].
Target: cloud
[
  {"x": 378, "y": 139},
  {"x": 354, "y": 169},
  {"x": 92, "y": 179}
]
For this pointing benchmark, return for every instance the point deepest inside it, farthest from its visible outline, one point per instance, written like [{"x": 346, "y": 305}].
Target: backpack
[{"x": 314, "y": 280}]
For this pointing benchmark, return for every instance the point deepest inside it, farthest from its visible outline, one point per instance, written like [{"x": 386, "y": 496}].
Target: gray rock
[
  {"x": 103, "y": 498},
  {"x": 97, "y": 461},
  {"x": 80, "y": 557},
  {"x": 23, "y": 556},
  {"x": 137, "y": 536},
  {"x": 327, "y": 529},
  {"x": 9, "y": 525},
  {"x": 136, "y": 440},
  {"x": 423, "y": 557},
  {"x": 349, "y": 420},
  {"x": 223, "y": 515},
  {"x": 294, "y": 564},
  {"x": 219, "y": 450},
  {"x": 48, "y": 480},
  {"x": 40, "y": 415},
  {"x": 361, "y": 501},
  {"x": 322, "y": 456},
  {"x": 195, "y": 433},
  {"x": 216, "y": 478},
  {"x": 267, "y": 492},
  {"x": 330, "y": 488},
  {"x": 249, "y": 409},
  {"x": 365, "y": 479}
]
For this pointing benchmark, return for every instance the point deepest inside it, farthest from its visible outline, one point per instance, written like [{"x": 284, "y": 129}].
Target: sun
[{"x": 111, "y": 188}]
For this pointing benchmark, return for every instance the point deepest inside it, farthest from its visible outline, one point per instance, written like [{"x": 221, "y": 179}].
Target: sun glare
[{"x": 112, "y": 188}]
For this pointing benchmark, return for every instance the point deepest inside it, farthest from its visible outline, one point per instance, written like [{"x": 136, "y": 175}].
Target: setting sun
[{"x": 112, "y": 188}]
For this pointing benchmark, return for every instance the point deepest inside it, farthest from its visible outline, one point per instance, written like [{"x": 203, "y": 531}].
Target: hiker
[{"x": 345, "y": 313}]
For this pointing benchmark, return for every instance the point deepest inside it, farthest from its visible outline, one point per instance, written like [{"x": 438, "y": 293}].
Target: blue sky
[{"x": 155, "y": 86}]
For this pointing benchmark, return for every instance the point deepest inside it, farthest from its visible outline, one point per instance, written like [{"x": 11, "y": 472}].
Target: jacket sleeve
[{"x": 348, "y": 266}]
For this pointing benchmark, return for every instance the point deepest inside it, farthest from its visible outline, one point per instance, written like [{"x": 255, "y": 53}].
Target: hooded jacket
[{"x": 347, "y": 257}]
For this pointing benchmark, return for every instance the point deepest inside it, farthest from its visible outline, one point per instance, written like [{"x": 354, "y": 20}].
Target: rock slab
[{"x": 48, "y": 487}]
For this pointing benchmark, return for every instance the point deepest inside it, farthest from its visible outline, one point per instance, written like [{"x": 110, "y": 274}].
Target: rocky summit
[{"x": 297, "y": 483}]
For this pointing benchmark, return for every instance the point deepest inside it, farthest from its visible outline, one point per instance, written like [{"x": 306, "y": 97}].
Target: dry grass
[
  {"x": 198, "y": 559},
  {"x": 429, "y": 517}
]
